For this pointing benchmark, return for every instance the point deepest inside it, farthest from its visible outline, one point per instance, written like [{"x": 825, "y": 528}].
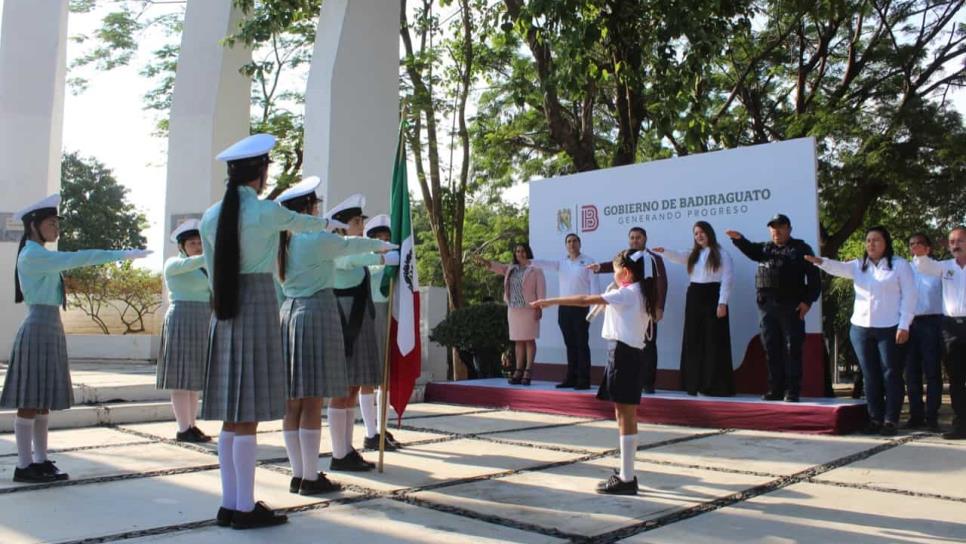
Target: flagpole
[{"x": 384, "y": 390}]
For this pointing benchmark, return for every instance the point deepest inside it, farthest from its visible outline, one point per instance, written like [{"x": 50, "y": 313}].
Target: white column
[
  {"x": 352, "y": 101},
  {"x": 33, "y": 49},
  {"x": 209, "y": 111}
]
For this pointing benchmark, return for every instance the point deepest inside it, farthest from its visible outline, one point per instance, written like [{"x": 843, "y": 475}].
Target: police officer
[{"x": 787, "y": 287}]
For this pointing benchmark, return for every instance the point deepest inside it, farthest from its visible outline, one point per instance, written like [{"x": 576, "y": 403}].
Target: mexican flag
[{"x": 404, "y": 356}]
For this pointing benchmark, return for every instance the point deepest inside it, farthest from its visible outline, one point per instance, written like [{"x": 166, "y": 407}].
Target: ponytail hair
[
  {"x": 17, "y": 293},
  {"x": 227, "y": 259},
  {"x": 303, "y": 204},
  {"x": 648, "y": 285}
]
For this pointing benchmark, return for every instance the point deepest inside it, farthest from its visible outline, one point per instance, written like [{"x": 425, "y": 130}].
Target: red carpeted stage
[{"x": 812, "y": 415}]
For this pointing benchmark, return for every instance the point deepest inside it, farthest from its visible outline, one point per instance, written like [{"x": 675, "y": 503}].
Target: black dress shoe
[
  {"x": 791, "y": 397},
  {"x": 199, "y": 434},
  {"x": 372, "y": 442},
  {"x": 872, "y": 427},
  {"x": 48, "y": 467},
  {"x": 582, "y": 386},
  {"x": 260, "y": 516},
  {"x": 955, "y": 434},
  {"x": 932, "y": 425},
  {"x": 224, "y": 517},
  {"x": 773, "y": 395},
  {"x": 352, "y": 462},
  {"x": 565, "y": 385},
  {"x": 294, "y": 485},
  {"x": 615, "y": 486},
  {"x": 318, "y": 486},
  {"x": 32, "y": 474},
  {"x": 889, "y": 429},
  {"x": 189, "y": 435}
]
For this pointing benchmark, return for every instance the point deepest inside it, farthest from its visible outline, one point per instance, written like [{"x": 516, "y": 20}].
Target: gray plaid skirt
[
  {"x": 246, "y": 375},
  {"x": 312, "y": 346},
  {"x": 38, "y": 376},
  {"x": 364, "y": 366},
  {"x": 184, "y": 346}
]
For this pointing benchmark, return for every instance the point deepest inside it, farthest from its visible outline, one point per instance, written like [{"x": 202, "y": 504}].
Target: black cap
[{"x": 780, "y": 219}]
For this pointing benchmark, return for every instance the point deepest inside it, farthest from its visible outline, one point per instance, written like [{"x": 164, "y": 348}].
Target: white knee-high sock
[
  {"x": 350, "y": 424},
  {"x": 180, "y": 405},
  {"x": 294, "y": 450},
  {"x": 23, "y": 430},
  {"x": 310, "y": 440},
  {"x": 367, "y": 405},
  {"x": 628, "y": 450},
  {"x": 244, "y": 454},
  {"x": 41, "y": 422},
  {"x": 336, "y": 418},
  {"x": 226, "y": 466},
  {"x": 194, "y": 406}
]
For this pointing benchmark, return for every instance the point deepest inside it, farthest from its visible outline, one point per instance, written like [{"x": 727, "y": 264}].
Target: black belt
[{"x": 361, "y": 300}]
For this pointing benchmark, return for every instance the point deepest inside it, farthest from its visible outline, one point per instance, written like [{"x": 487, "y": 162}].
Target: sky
[{"x": 107, "y": 121}]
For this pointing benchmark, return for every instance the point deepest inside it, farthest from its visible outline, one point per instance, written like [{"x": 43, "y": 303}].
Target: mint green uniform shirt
[
  {"x": 185, "y": 280},
  {"x": 349, "y": 270},
  {"x": 310, "y": 263},
  {"x": 259, "y": 222},
  {"x": 39, "y": 270},
  {"x": 375, "y": 280}
]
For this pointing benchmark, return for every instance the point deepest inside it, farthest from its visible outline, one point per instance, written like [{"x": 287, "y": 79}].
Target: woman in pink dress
[{"x": 522, "y": 284}]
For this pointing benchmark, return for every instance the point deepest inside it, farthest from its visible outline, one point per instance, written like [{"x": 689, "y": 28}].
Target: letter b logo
[{"x": 588, "y": 218}]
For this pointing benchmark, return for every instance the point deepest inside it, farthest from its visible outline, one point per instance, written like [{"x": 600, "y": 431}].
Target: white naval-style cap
[
  {"x": 377, "y": 223},
  {"x": 45, "y": 207},
  {"x": 305, "y": 187},
  {"x": 348, "y": 208},
  {"x": 186, "y": 228},
  {"x": 250, "y": 147}
]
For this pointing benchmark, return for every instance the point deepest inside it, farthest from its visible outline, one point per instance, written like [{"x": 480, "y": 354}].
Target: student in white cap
[
  {"x": 312, "y": 344},
  {"x": 245, "y": 381},
  {"x": 38, "y": 377},
  {"x": 184, "y": 336},
  {"x": 352, "y": 291},
  {"x": 370, "y": 400}
]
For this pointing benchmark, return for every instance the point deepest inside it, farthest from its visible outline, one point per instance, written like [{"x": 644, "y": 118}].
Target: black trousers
[
  {"x": 576, "y": 334},
  {"x": 954, "y": 336},
  {"x": 706, "y": 344},
  {"x": 782, "y": 335}
]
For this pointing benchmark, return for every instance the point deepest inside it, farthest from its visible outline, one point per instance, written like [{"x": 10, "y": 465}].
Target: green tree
[
  {"x": 492, "y": 227},
  {"x": 95, "y": 208}
]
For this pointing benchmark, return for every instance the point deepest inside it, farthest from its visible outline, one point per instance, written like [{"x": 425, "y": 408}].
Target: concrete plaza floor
[{"x": 479, "y": 475}]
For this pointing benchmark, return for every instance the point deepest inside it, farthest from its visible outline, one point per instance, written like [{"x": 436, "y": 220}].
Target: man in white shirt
[
  {"x": 924, "y": 349},
  {"x": 952, "y": 274},
  {"x": 574, "y": 278}
]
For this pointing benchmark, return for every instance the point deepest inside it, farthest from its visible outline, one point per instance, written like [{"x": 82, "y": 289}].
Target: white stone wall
[
  {"x": 33, "y": 50},
  {"x": 352, "y": 101}
]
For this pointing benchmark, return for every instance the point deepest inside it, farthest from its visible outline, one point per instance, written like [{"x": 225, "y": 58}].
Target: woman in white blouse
[
  {"x": 706, "y": 342},
  {"x": 885, "y": 303}
]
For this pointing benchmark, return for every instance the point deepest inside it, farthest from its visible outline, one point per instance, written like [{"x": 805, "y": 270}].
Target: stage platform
[{"x": 812, "y": 415}]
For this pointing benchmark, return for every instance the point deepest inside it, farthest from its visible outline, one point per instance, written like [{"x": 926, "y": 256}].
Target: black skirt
[
  {"x": 706, "y": 344},
  {"x": 624, "y": 375}
]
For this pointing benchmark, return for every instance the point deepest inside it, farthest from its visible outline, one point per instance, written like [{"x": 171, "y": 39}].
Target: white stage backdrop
[{"x": 736, "y": 189}]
